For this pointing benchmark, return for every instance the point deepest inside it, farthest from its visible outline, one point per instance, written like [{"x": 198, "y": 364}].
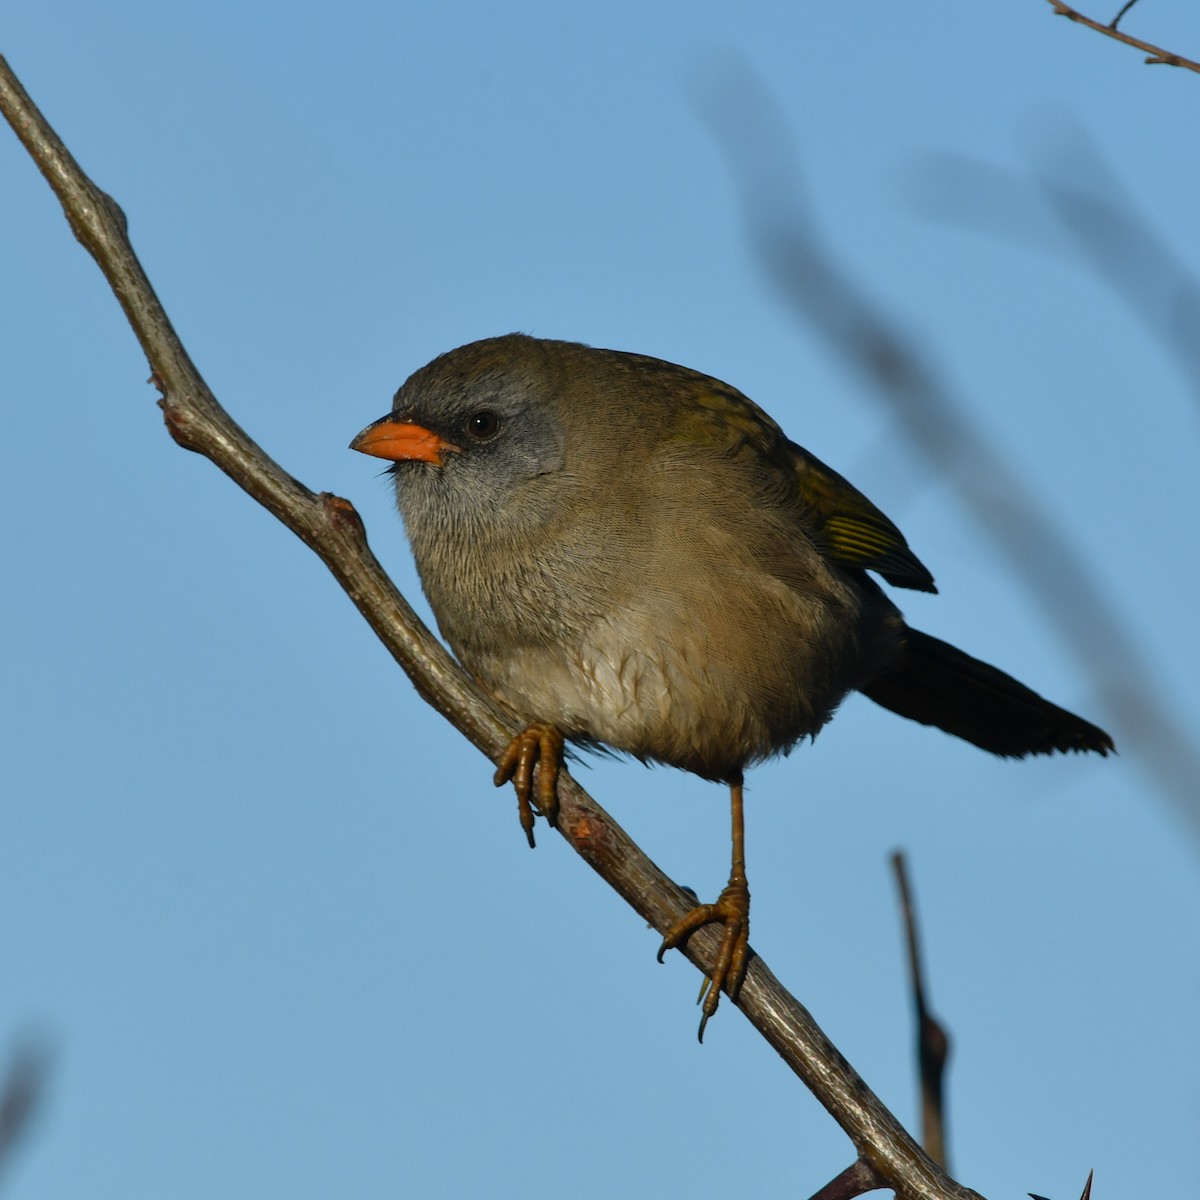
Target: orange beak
[{"x": 402, "y": 441}]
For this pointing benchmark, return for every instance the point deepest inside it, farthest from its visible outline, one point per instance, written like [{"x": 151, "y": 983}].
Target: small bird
[{"x": 633, "y": 555}]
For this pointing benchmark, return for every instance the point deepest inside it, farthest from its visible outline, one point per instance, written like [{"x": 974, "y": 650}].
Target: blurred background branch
[
  {"x": 933, "y": 1043},
  {"x": 22, "y": 1091},
  {"x": 818, "y": 290},
  {"x": 1071, "y": 190}
]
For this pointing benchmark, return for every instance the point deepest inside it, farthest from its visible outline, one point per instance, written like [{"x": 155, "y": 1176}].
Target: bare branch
[
  {"x": 1156, "y": 54},
  {"x": 331, "y": 527},
  {"x": 1120, "y": 242},
  {"x": 933, "y": 1043}
]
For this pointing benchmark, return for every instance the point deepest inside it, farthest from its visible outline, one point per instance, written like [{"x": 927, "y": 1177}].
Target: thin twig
[
  {"x": 1087, "y": 1190},
  {"x": 332, "y": 528},
  {"x": 1156, "y": 54},
  {"x": 1124, "y": 9},
  {"x": 933, "y": 1043},
  {"x": 855, "y": 1180}
]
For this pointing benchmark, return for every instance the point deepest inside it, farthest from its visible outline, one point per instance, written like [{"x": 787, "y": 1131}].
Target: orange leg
[
  {"x": 732, "y": 910},
  {"x": 539, "y": 746}
]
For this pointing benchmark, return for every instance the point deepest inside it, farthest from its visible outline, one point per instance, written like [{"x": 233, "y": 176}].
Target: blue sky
[{"x": 278, "y": 931}]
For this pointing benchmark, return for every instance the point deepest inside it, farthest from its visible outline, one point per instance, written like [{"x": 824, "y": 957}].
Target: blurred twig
[
  {"x": 1156, "y": 54},
  {"x": 21, "y": 1092},
  {"x": 933, "y": 1043},
  {"x": 756, "y": 141},
  {"x": 1090, "y": 203},
  {"x": 330, "y": 526},
  {"x": 1123, "y": 248}
]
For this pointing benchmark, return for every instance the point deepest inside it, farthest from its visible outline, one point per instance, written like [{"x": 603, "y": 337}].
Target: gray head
[{"x": 469, "y": 434}]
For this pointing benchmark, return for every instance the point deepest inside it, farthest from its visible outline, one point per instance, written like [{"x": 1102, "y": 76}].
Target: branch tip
[{"x": 180, "y": 423}]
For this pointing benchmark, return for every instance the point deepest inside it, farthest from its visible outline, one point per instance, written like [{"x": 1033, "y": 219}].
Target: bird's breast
[
  {"x": 710, "y": 692},
  {"x": 704, "y": 633}
]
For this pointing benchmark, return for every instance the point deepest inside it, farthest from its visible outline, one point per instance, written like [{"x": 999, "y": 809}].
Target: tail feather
[{"x": 937, "y": 684}]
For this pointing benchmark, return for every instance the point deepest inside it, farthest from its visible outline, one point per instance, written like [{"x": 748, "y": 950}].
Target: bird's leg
[
  {"x": 537, "y": 745},
  {"x": 732, "y": 910}
]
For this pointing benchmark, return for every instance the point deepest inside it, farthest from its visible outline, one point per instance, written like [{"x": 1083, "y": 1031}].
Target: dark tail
[{"x": 936, "y": 684}]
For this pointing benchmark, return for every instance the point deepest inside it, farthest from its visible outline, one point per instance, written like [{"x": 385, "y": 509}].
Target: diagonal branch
[
  {"x": 330, "y": 526},
  {"x": 1157, "y": 56}
]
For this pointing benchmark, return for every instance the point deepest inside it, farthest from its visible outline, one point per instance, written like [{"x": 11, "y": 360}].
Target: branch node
[
  {"x": 586, "y": 834},
  {"x": 341, "y": 514},
  {"x": 114, "y": 210},
  {"x": 178, "y": 419}
]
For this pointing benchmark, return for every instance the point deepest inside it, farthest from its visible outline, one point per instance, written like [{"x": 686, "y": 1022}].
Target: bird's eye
[{"x": 482, "y": 426}]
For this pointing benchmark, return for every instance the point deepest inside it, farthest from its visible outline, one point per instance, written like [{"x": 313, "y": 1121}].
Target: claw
[
  {"x": 732, "y": 910},
  {"x": 537, "y": 746}
]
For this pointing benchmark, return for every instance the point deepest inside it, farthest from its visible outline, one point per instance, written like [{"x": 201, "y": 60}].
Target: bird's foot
[
  {"x": 539, "y": 746},
  {"x": 732, "y": 910}
]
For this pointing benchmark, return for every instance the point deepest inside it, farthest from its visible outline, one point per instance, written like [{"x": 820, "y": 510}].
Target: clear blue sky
[{"x": 279, "y": 931}]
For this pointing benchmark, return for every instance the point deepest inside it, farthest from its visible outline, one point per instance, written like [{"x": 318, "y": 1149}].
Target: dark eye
[{"x": 483, "y": 425}]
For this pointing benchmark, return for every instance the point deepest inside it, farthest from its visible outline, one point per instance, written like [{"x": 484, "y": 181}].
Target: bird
[{"x": 633, "y": 556}]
